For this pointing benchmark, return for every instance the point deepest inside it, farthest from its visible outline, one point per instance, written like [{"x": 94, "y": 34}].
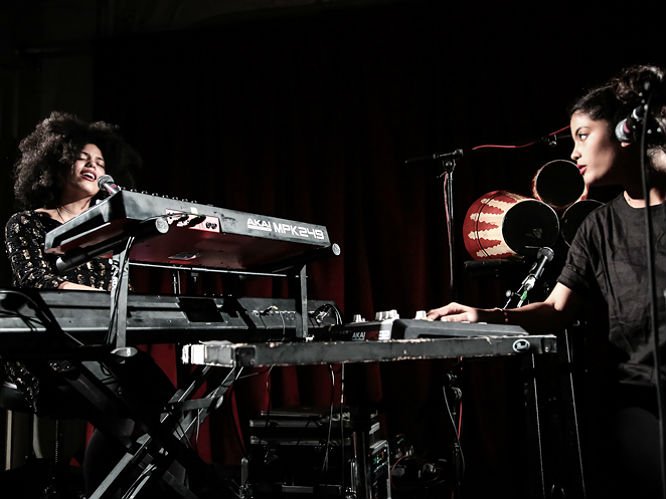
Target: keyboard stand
[
  {"x": 164, "y": 441},
  {"x": 118, "y": 307},
  {"x": 106, "y": 395},
  {"x": 164, "y": 445}
]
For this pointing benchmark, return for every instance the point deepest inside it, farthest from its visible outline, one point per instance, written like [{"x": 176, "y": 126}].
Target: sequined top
[
  {"x": 32, "y": 267},
  {"x": 25, "y": 233}
]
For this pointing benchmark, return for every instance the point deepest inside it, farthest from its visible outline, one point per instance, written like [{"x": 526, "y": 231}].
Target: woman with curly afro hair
[{"x": 56, "y": 180}]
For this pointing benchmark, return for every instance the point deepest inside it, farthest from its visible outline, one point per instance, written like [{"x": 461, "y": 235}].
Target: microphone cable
[{"x": 549, "y": 138}]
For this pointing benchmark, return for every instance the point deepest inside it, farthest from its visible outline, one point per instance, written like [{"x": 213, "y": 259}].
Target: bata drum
[
  {"x": 574, "y": 215},
  {"x": 502, "y": 224},
  {"x": 559, "y": 184}
]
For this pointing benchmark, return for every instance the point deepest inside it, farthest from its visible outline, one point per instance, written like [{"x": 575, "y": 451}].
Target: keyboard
[{"x": 179, "y": 232}]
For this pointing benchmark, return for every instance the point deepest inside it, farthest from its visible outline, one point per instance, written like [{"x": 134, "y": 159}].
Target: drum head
[
  {"x": 574, "y": 215},
  {"x": 530, "y": 225},
  {"x": 558, "y": 183}
]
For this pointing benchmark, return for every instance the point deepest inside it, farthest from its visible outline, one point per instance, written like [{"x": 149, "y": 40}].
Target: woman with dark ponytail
[{"x": 608, "y": 263}]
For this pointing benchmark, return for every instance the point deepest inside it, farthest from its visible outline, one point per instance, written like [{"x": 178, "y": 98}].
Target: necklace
[
  {"x": 60, "y": 214},
  {"x": 69, "y": 212}
]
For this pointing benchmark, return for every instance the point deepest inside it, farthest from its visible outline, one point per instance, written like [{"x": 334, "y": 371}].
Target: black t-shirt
[{"x": 608, "y": 256}]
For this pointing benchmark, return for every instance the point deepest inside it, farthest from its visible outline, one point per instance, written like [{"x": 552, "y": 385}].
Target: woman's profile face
[
  {"x": 81, "y": 181},
  {"x": 595, "y": 150}
]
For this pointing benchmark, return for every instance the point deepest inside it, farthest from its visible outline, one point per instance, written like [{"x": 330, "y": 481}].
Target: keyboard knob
[{"x": 392, "y": 314}]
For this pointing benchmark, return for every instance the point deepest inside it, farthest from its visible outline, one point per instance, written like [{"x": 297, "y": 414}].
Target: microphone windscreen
[
  {"x": 106, "y": 183},
  {"x": 105, "y": 179},
  {"x": 622, "y": 131}
]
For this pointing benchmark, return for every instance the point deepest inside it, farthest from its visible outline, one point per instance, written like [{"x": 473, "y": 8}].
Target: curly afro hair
[{"x": 51, "y": 149}]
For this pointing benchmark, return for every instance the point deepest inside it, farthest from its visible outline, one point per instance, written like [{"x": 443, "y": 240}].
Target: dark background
[{"x": 307, "y": 111}]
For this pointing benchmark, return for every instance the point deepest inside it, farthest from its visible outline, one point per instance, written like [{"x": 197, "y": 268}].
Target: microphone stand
[
  {"x": 646, "y": 101},
  {"x": 447, "y": 162},
  {"x": 448, "y": 166},
  {"x": 544, "y": 255}
]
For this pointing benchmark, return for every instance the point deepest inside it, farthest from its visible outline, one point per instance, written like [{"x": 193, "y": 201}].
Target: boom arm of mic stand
[{"x": 443, "y": 157}]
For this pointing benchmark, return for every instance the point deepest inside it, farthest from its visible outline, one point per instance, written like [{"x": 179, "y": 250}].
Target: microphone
[
  {"x": 625, "y": 131},
  {"x": 458, "y": 153},
  {"x": 106, "y": 183},
  {"x": 544, "y": 255}
]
